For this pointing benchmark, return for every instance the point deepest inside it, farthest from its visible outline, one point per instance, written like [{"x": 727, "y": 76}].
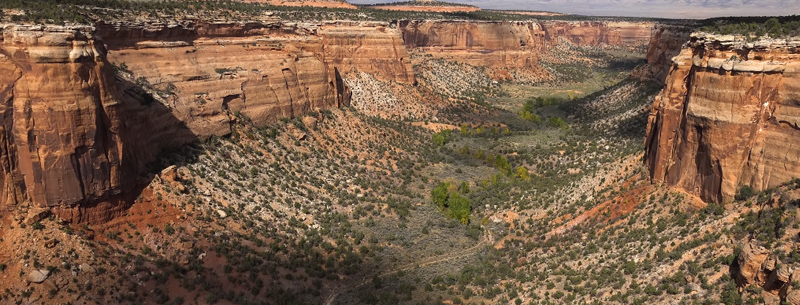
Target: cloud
[{"x": 641, "y": 8}]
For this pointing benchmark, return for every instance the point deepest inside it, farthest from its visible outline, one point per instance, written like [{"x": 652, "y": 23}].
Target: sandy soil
[{"x": 436, "y": 127}]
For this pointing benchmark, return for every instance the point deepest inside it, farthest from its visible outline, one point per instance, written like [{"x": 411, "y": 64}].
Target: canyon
[
  {"x": 246, "y": 153},
  {"x": 131, "y": 91}
]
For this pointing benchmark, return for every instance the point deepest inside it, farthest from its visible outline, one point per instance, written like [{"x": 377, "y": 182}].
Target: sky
[{"x": 641, "y": 8}]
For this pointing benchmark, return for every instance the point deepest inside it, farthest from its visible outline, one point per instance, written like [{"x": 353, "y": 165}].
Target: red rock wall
[
  {"x": 500, "y": 46},
  {"x": 595, "y": 33},
  {"x": 75, "y": 135},
  {"x": 728, "y": 116},
  {"x": 264, "y": 72},
  {"x": 372, "y": 47},
  {"x": 665, "y": 43},
  {"x": 12, "y": 186},
  {"x": 514, "y": 47},
  {"x": 63, "y": 126}
]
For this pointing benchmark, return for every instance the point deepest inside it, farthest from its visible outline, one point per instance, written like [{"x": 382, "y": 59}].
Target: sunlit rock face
[
  {"x": 728, "y": 116},
  {"x": 86, "y": 109},
  {"x": 508, "y": 48}
]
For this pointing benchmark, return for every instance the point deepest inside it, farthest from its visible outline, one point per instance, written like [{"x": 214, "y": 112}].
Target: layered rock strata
[
  {"x": 665, "y": 43},
  {"x": 595, "y": 33},
  {"x": 505, "y": 47},
  {"x": 64, "y": 131},
  {"x": 728, "y": 116},
  {"x": 83, "y": 115}
]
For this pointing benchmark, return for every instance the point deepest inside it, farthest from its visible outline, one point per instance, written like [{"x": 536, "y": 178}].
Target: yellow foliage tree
[{"x": 522, "y": 173}]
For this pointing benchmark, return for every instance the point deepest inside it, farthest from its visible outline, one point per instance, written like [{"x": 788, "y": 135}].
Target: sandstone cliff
[
  {"x": 82, "y": 121},
  {"x": 207, "y": 71},
  {"x": 595, "y": 33},
  {"x": 63, "y": 126},
  {"x": 665, "y": 43},
  {"x": 500, "y": 46},
  {"x": 504, "y": 46},
  {"x": 371, "y": 47},
  {"x": 728, "y": 116}
]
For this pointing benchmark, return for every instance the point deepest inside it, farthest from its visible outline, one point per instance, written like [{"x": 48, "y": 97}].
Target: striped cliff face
[
  {"x": 727, "y": 117},
  {"x": 86, "y": 109},
  {"x": 514, "y": 48}
]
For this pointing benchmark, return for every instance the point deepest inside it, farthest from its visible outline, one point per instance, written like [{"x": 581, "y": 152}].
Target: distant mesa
[
  {"x": 427, "y": 6},
  {"x": 533, "y": 13},
  {"x": 309, "y": 3}
]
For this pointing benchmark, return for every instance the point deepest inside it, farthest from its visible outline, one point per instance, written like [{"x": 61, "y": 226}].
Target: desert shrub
[
  {"x": 441, "y": 138},
  {"x": 450, "y": 201},
  {"x": 745, "y": 192}
]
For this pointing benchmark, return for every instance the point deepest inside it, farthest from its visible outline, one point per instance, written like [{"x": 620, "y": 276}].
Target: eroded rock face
[
  {"x": 594, "y": 33},
  {"x": 424, "y": 8},
  {"x": 751, "y": 261},
  {"x": 505, "y": 47},
  {"x": 63, "y": 126},
  {"x": 727, "y": 116},
  {"x": 76, "y": 134},
  {"x": 206, "y": 72},
  {"x": 308, "y": 3},
  {"x": 758, "y": 266},
  {"x": 665, "y": 43},
  {"x": 369, "y": 47},
  {"x": 13, "y": 186}
]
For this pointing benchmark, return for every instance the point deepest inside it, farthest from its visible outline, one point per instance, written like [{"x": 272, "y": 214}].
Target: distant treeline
[
  {"x": 421, "y": 3},
  {"x": 754, "y": 27},
  {"x": 59, "y": 11},
  {"x": 89, "y": 11}
]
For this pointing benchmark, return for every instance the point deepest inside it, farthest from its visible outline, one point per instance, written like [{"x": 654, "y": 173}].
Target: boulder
[
  {"x": 37, "y": 276},
  {"x": 751, "y": 260},
  {"x": 793, "y": 297},
  {"x": 784, "y": 273},
  {"x": 36, "y": 215},
  {"x": 769, "y": 263},
  {"x": 310, "y": 122},
  {"x": 87, "y": 268},
  {"x": 170, "y": 173}
]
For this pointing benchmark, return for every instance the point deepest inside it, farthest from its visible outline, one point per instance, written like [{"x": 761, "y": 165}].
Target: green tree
[
  {"x": 464, "y": 188},
  {"x": 773, "y": 27},
  {"x": 451, "y": 202},
  {"x": 557, "y": 122},
  {"x": 459, "y": 207},
  {"x": 502, "y": 163},
  {"x": 530, "y": 116},
  {"x": 522, "y": 173},
  {"x": 439, "y": 195},
  {"x": 465, "y": 129},
  {"x": 441, "y": 138},
  {"x": 745, "y": 192}
]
